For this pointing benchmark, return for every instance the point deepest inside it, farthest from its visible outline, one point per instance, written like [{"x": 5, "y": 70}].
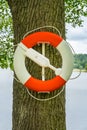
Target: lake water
[
  {"x": 76, "y": 104},
  {"x": 6, "y": 77}
]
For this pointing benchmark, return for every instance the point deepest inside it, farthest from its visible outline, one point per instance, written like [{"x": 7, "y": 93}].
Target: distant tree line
[{"x": 80, "y": 61}]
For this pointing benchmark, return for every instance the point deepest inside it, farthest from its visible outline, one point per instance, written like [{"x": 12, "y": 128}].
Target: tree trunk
[{"x": 28, "y": 113}]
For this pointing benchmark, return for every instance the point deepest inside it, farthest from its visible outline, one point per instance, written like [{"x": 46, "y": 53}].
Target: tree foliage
[
  {"x": 6, "y": 35},
  {"x": 86, "y": 66},
  {"x": 74, "y": 10},
  {"x": 80, "y": 61}
]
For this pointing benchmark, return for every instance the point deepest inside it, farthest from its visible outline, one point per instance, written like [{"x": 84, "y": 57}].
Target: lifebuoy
[{"x": 23, "y": 49}]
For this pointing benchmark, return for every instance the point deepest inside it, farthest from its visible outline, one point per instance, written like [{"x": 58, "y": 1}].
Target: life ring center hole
[{"x": 55, "y": 60}]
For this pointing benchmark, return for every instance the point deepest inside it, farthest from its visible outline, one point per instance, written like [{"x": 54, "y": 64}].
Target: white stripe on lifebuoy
[
  {"x": 19, "y": 64},
  {"x": 67, "y": 58}
]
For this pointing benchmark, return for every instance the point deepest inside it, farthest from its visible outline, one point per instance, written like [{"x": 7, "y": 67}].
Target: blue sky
[{"x": 77, "y": 37}]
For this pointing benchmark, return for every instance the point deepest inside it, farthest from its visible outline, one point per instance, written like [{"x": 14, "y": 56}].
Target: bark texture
[{"x": 30, "y": 114}]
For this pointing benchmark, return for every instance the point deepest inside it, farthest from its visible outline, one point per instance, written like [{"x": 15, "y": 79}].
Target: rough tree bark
[{"x": 30, "y": 114}]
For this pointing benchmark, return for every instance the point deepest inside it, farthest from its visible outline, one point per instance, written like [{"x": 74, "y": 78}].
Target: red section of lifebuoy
[
  {"x": 32, "y": 39},
  {"x": 45, "y": 86}
]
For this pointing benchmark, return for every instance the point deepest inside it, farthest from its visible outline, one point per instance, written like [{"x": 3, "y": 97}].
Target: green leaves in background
[
  {"x": 74, "y": 10},
  {"x": 80, "y": 61},
  {"x": 6, "y": 36}
]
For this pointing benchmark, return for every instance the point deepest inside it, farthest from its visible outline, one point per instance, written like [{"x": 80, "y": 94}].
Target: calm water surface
[{"x": 76, "y": 101}]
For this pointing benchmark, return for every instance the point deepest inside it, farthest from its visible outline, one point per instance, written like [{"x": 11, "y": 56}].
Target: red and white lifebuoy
[{"x": 25, "y": 46}]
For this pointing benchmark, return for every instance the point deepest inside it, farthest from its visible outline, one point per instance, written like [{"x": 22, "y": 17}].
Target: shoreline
[{"x": 78, "y": 70}]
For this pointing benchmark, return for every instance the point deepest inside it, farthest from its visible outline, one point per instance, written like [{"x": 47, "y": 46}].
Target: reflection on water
[{"x": 76, "y": 101}]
